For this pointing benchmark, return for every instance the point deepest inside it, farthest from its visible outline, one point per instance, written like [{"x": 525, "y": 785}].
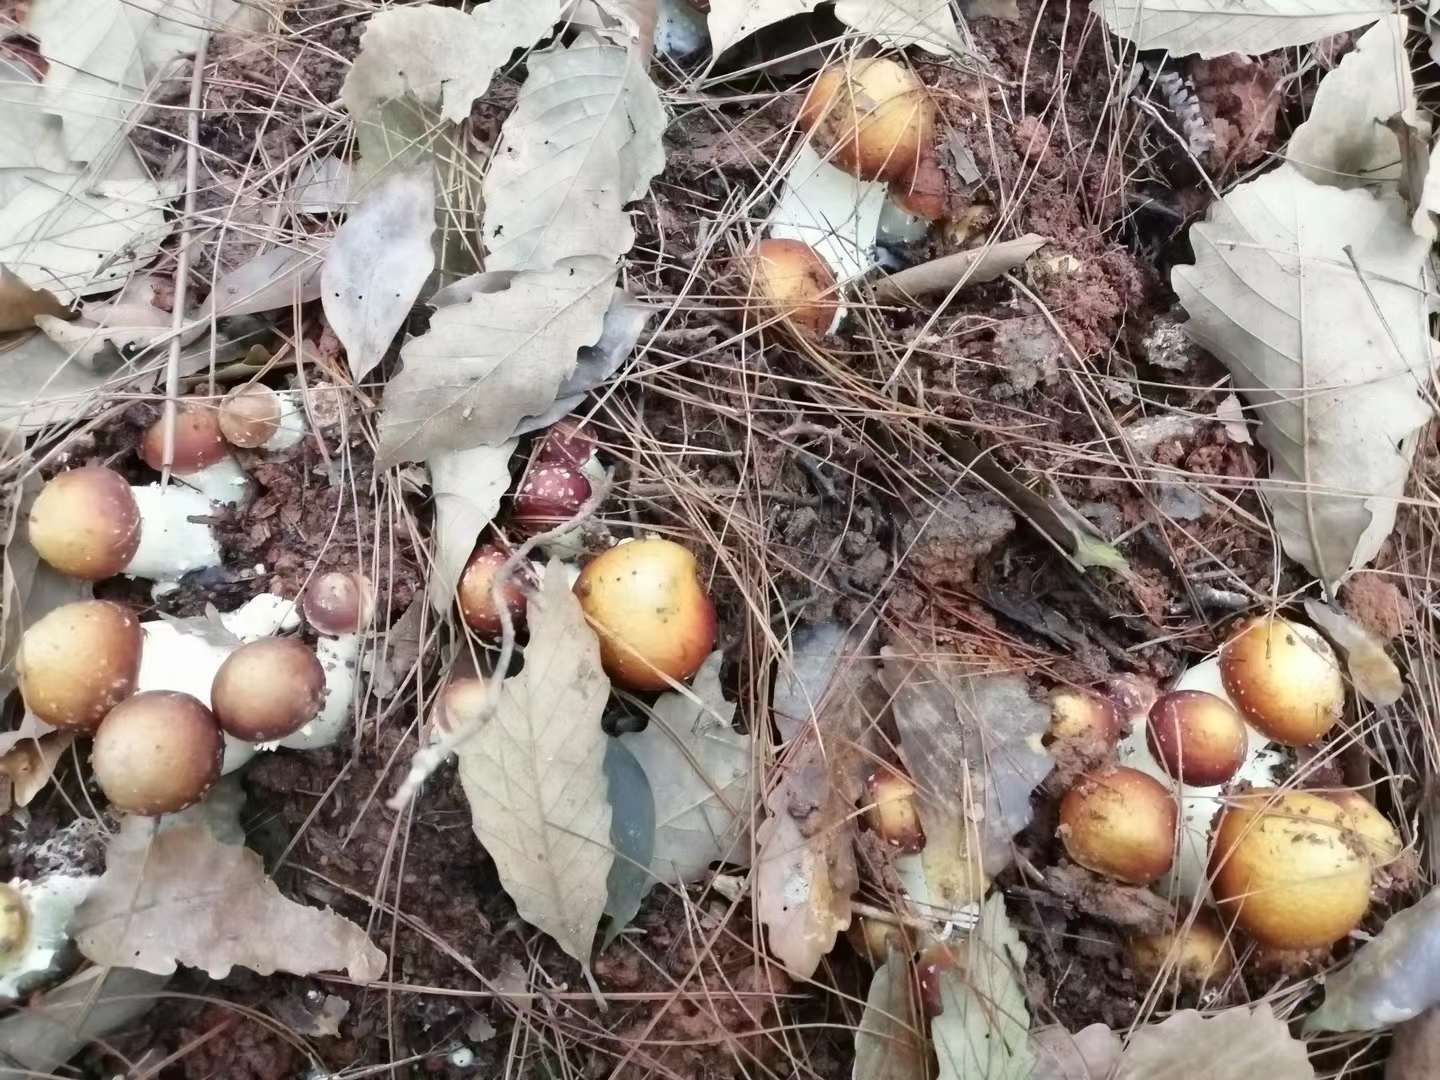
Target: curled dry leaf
[
  {"x": 180, "y": 896},
  {"x": 491, "y": 361},
  {"x": 632, "y": 832},
  {"x": 468, "y": 486},
  {"x": 58, "y": 1024},
  {"x": 1214, "y": 29},
  {"x": 282, "y": 277},
  {"x": 1089, "y": 1054},
  {"x": 582, "y": 142},
  {"x": 1374, "y": 674},
  {"x": 1314, "y": 298},
  {"x": 983, "y": 1032},
  {"x": 1394, "y": 977},
  {"x": 700, "y": 772},
  {"x": 376, "y": 265},
  {"x": 971, "y": 267},
  {"x": 890, "y": 1041},
  {"x": 535, "y": 779},
  {"x": 20, "y": 304},
  {"x": 1233, "y": 1042}
]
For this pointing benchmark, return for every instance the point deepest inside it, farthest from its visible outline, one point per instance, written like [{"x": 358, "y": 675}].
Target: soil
[{"x": 823, "y": 513}]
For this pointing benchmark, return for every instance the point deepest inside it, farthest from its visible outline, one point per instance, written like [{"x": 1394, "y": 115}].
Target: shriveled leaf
[
  {"x": 1394, "y": 977},
  {"x": 1215, "y": 27},
  {"x": 1374, "y": 674},
  {"x": 968, "y": 267},
  {"x": 800, "y": 683},
  {"x": 279, "y": 278},
  {"x": 1344, "y": 142},
  {"x": 1231, "y": 1043},
  {"x": 535, "y": 779},
  {"x": 375, "y": 266},
  {"x": 805, "y": 873},
  {"x": 179, "y": 896},
  {"x": 30, "y": 764},
  {"x": 582, "y": 142},
  {"x": 19, "y": 303},
  {"x": 701, "y": 774},
  {"x": 984, "y": 1031},
  {"x": 56, "y": 1025},
  {"x": 441, "y": 57},
  {"x": 732, "y": 21},
  {"x": 42, "y": 384},
  {"x": 468, "y": 486},
  {"x": 489, "y": 362},
  {"x": 971, "y": 742},
  {"x": 29, "y": 136},
  {"x": 60, "y": 234},
  {"x": 930, "y": 24},
  {"x": 1089, "y": 1054},
  {"x": 1330, "y": 354},
  {"x": 1415, "y": 1048},
  {"x": 890, "y": 1041},
  {"x": 632, "y": 832},
  {"x": 320, "y": 185},
  {"x": 830, "y": 210}
]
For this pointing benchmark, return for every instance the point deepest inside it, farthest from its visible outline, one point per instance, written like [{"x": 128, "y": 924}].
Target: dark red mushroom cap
[
  {"x": 550, "y": 495},
  {"x": 1196, "y": 737},
  {"x": 198, "y": 441},
  {"x": 268, "y": 689},
  {"x": 476, "y": 595},
  {"x": 157, "y": 752}
]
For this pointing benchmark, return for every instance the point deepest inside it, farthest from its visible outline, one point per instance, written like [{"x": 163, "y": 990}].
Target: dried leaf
[
  {"x": 1231, "y": 414},
  {"x": 1215, "y": 27},
  {"x": 468, "y": 487},
  {"x": 1231, "y": 1043},
  {"x": 930, "y": 24},
  {"x": 805, "y": 873},
  {"x": 19, "y": 303},
  {"x": 1415, "y": 1048},
  {"x": 983, "y": 1032},
  {"x": 830, "y": 210},
  {"x": 179, "y": 896},
  {"x": 376, "y": 265},
  {"x": 1330, "y": 356},
  {"x": 971, "y": 267},
  {"x": 487, "y": 363},
  {"x": 536, "y": 780},
  {"x": 732, "y": 21},
  {"x": 1090, "y": 1054},
  {"x": 29, "y": 137},
  {"x": 281, "y": 277},
  {"x": 1345, "y": 142},
  {"x": 700, "y": 771},
  {"x": 1394, "y": 977},
  {"x": 57, "y": 1025},
  {"x": 582, "y": 142},
  {"x": 1374, "y": 674},
  {"x": 42, "y": 384},
  {"x": 58, "y": 232},
  {"x": 890, "y": 1041},
  {"x": 815, "y": 652},
  {"x": 30, "y": 764},
  {"x": 632, "y": 832},
  {"x": 322, "y": 185}
]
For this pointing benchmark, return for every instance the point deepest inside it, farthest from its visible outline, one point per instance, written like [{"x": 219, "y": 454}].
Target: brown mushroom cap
[
  {"x": 551, "y": 494},
  {"x": 789, "y": 278},
  {"x": 1285, "y": 678},
  {"x": 14, "y": 923},
  {"x": 78, "y": 662},
  {"x": 198, "y": 442},
  {"x": 650, "y": 611},
  {"x": 459, "y": 704},
  {"x": 891, "y": 811},
  {"x": 249, "y": 415},
  {"x": 85, "y": 523},
  {"x": 1375, "y": 832},
  {"x": 339, "y": 603},
  {"x": 872, "y": 117},
  {"x": 268, "y": 689},
  {"x": 567, "y": 442},
  {"x": 1286, "y": 866},
  {"x": 1120, "y": 822},
  {"x": 476, "y": 594},
  {"x": 874, "y": 939},
  {"x": 157, "y": 752},
  {"x": 1196, "y": 954},
  {"x": 1196, "y": 737},
  {"x": 1083, "y": 716}
]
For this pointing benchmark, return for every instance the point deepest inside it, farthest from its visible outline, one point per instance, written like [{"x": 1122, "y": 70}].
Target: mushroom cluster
[{"x": 1195, "y": 801}]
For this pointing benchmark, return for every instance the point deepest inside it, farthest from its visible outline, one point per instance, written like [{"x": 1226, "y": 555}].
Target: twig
[
  {"x": 182, "y": 261},
  {"x": 430, "y": 758}
]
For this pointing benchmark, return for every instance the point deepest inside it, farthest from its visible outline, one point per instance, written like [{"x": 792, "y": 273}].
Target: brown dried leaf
[
  {"x": 29, "y": 765},
  {"x": 181, "y": 896},
  {"x": 1415, "y": 1051},
  {"x": 52, "y": 1029},
  {"x": 1236, "y": 1042},
  {"x": 1089, "y": 1054},
  {"x": 1374, "y": 674},
  {"x": 890, "y": 1041}
]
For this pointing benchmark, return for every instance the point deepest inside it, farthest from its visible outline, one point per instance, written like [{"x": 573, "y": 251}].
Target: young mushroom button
[
  {"x": 1119, "y": 822},
  {"x": 1285, "y": 678},
  {"x": 78, "y": 662},
  {"x": 85, "y": 523},
  {"x": 268, "y": 689},
  {"x": 872, "y": 117},
  {"x": 157, "y": 752}
]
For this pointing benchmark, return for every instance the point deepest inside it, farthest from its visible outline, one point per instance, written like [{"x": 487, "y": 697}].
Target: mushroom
[
  {"x": 201, "y": 456},
  {"x": 157, "y": 752},
  {"x": 1285, "y": 678},
  {"x": 790, "y": 281},
  {"x": 874, "y": 939},
  {"x": 476, "y": 593},
  {"x": 1195, "y": 953},
  {"x": 78, "y": 662},
  {"x": 267, "y": 689},
  {"x": 1377, "y": 836},
  {"x": 85, "y": 523},
  {"x": 1196, "y": 737},
  {"x": 1121, "y": 823},
  {"x": 655, "y": 621},
  {"x": 35, "y": 918},
  {"x": 1288, "y": 870},
  {"x": 871, "y": 116},
  {"x": 338, "y": 650},
  {"x": 249, "y": 415},
  {"x": 550, "y": 494},
  {"x": 337, "y": 603},
  {"x": 891, "y": 813}
]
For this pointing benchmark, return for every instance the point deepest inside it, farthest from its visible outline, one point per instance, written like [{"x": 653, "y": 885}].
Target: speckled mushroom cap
[
  {"x": 85, "y": 523},
  {"x": 1285, "y": 678},
  {"x": 1197, "y": 737},
  {"x": 79, "y": 662},
  {"x": 157, "y": 752},
  {"x": 198, "y": 441},
  {"x": 249, "y": 415},
  {"x": 476, "y": 597},
  {"x": 789, "y": 278},
  {"x": 339, "y": 603},
  {"x": 551, "y": 494},
  {"x": 268, "y": 689},
  {"x": 871, "y": 116},
  {"x": 1120, "y": 822}
]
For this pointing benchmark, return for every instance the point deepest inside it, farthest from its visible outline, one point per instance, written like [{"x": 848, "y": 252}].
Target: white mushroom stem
[
  {"x": 1264, "y": 763},
  {"x": 171, "y": 544},
  {"x": 224, "y": 482},
  {"x": 292, "y": 423},
  {"x": 50, "y": 904},
  {"x": 176, "y": 659},
  {"x": 899, "y": 226},
  {"x": 340, "y": 657}
]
